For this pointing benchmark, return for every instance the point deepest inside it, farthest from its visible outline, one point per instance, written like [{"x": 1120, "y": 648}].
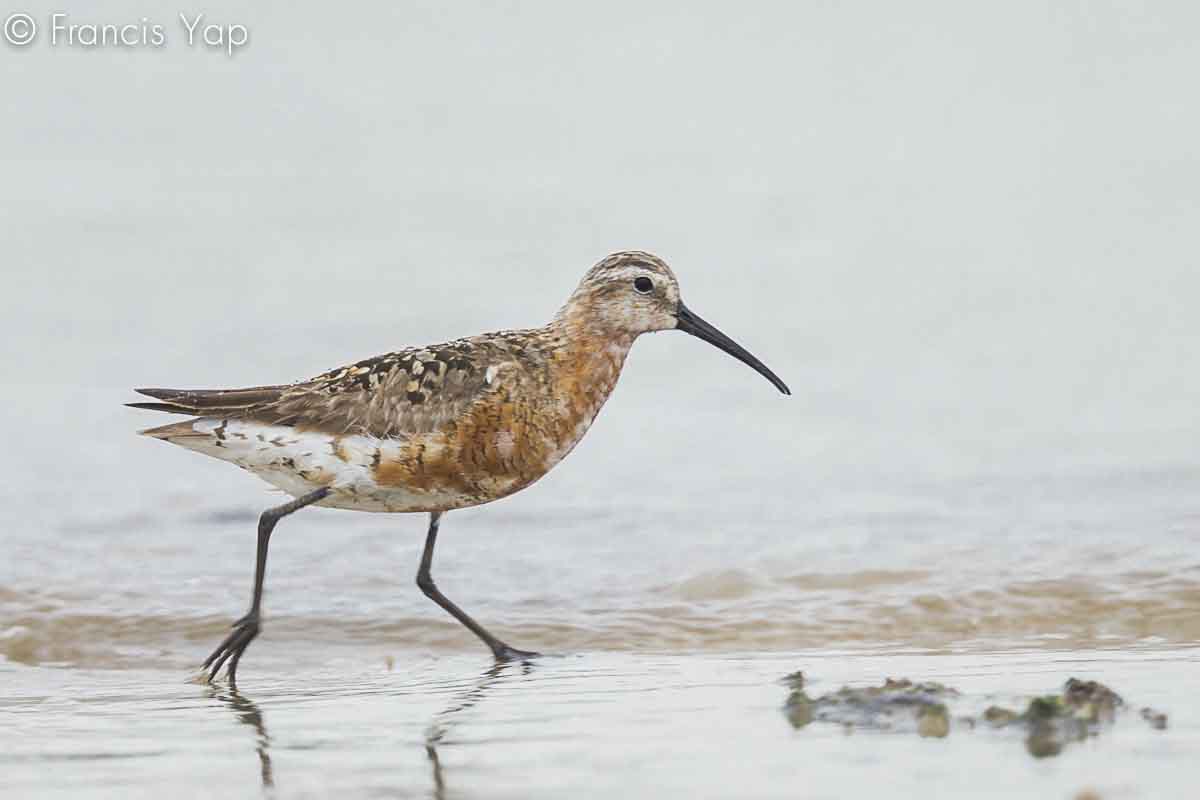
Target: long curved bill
[{"x": 689, "y": 322}]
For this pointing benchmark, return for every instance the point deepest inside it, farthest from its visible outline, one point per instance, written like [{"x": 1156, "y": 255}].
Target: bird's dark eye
[{"x": 643, "y": 285}]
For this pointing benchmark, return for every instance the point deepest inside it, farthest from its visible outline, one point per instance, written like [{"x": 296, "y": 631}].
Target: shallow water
[
  {"x": 670, "y": 622},
  {"x": 588, "y": 725},
  {"x": 1109, "y": 562}
]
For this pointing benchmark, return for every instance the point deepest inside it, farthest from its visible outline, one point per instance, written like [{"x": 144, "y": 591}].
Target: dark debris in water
[
  {"x": 1052, "y": 721},
  {"x": 1157, "y": 719},
  {"x": 897, "y": 704},
  {"x": 1048, "y": 722},
  {"x": 794, "y": 680}
]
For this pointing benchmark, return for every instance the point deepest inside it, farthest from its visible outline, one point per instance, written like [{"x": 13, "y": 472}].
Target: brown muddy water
[{"x": 964, "y": 234}]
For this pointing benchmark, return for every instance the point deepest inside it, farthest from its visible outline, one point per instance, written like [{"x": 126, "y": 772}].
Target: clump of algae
[
  {"x": 897, "y": 704},
  {"x": 1049, "y": 722},
  {"x": 1052, "y": 721}
]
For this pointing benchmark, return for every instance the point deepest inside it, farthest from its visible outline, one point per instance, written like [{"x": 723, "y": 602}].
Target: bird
[{"x": 437, "y": 428}]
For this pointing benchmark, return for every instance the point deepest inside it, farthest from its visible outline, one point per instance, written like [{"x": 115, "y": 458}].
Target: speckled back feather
[{"x": 406, "y": 392}]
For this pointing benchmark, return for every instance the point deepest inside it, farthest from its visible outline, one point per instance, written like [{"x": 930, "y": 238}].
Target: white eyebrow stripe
[{"x": 632, "y": 272}]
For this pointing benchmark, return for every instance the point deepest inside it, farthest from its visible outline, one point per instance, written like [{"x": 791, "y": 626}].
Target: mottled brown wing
[{"x": 406, "y": 392}]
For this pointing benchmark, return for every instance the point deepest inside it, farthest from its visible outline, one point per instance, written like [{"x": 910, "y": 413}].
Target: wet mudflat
[{"x": 585, "y": 725}]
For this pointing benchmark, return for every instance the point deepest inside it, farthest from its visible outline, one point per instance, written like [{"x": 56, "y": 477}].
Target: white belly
[{"x": 300, "y": 462}]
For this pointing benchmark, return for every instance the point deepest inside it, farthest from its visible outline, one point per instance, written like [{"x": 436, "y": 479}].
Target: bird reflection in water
[
  {"x": 446, "y": 720},
  {"x": 248, "y": 713}
]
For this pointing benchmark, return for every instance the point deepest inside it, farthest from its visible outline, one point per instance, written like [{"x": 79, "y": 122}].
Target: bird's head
[{"x": 633, "y": 292}]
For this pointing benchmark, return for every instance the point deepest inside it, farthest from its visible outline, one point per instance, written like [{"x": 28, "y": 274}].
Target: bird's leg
[
  {"x": 246, "y": 628},
  {"x": 499, "y": 649}
]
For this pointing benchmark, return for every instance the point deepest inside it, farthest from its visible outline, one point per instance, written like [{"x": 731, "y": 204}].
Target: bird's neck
[
  {"x": 586, "y": 361},
  {"x": 592, "y": 350}
]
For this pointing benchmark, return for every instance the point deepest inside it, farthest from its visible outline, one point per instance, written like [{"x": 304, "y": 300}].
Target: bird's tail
[{"x": 209, "y": 402}]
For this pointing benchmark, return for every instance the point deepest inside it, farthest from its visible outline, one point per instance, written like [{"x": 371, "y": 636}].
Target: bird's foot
[
  {"x": 244, "y": 632},
  {"x": 505, "y": 653}
]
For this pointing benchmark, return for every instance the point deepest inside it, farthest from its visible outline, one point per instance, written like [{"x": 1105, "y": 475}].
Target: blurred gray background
[{"x": 965, "y": 234}]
